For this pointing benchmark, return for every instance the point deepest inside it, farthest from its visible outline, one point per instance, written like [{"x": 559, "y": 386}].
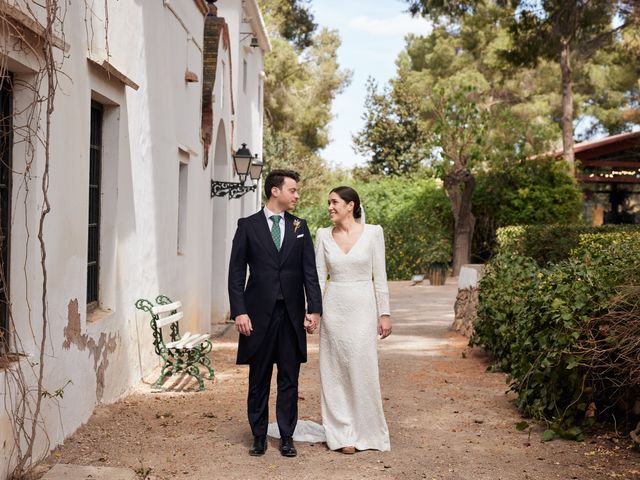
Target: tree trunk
[
  {"x": 567, "y": 104},
  {"x": 459, "y": 186}
]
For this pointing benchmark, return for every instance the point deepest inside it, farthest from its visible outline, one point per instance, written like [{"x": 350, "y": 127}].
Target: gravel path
[{"x": 448, "y": 417}]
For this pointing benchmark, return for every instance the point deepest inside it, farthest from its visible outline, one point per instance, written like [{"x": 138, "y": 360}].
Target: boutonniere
[{"x": 296, "y": 225}]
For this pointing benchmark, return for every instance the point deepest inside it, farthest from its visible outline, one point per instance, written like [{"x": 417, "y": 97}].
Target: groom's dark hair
[{"x": 276, "y": 179}]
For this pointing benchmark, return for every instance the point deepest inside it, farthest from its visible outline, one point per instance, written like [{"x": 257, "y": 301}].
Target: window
[
  {"x": 6, "y": 147},
  {"x": 244, "y": 76},
  {"x": 222, "y": 74},
  {"x": 260, "y": 101},
  {"x": 183, "y": 183},
  {"x": 95, "y": 174}
]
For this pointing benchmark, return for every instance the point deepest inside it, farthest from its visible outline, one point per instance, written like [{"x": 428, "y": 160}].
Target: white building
[{"x": 152, "y": 99}]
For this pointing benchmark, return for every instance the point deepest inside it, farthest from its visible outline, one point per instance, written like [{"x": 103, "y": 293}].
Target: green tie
[{"x": 275, "y": 230}]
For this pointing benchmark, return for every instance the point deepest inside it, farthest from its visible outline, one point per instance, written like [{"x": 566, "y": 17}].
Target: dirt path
[{"x": 448, "y": 418}]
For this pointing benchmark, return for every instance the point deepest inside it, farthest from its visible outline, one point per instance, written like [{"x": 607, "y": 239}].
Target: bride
[
  {"x": 356, "y": 310},
  {"x": 350, "y": 259}
]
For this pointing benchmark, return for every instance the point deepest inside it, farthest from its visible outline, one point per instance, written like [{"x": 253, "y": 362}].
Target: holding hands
[
  {"x": 311, "y": 321},
  {"x": 384, "y": 326}
]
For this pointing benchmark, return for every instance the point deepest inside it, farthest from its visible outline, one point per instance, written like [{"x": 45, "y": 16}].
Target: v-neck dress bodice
[{"x": 355, "y": 294}]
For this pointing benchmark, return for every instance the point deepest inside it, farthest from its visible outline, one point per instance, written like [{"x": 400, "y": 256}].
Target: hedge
[
  {"x": 564, "y": 331},
  {"x": 522, "y": 192},
  {"x": 551, "y": 243}
]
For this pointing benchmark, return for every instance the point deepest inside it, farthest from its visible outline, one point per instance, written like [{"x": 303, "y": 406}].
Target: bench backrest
[{"x": 164, "y": 313}]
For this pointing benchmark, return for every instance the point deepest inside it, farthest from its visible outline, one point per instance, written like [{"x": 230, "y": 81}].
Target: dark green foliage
[
  {"x": 602, "y": 36},
  {"x": 295, "y": 22},
  {"x": 438, "y": 8},
  {"x": 391, "y": 135},
  {"x": 553, "y": 243},
  {"x": 419, "y": 235},
  {"x": 539, "y": 321},
  {"x": 298, "y": 25},
  {"x": 537, "y": 32},
  {"x": 522, "y": 192}
]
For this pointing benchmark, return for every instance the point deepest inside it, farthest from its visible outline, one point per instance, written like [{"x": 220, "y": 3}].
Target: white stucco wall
[
  {"x": 244, "y": 126},
  {"x": 147, "y": 134}
]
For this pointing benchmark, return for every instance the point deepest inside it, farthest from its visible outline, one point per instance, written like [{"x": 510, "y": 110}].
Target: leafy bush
[
  {"x": 522, "y": 192},
  {"x": 419, "y": 234},
  {"x": 540, "y": 323},
  {"x": 552, "y": 243},
  {"x": 414, "y": 213}
]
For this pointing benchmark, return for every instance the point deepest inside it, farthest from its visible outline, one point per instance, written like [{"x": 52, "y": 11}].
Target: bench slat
[
  {"x": 166, "y": 308},
  {"x": 161, "y": 322},
  {"x": 183, "y": 339},
  {"x": 198, "y": 340},
  {"x": 189, "y": 341}
]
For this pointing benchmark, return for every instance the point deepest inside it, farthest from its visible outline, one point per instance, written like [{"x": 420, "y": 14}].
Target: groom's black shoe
[
  {"x": 259, "y": 446},
  {"x": 286, "y": 447}
]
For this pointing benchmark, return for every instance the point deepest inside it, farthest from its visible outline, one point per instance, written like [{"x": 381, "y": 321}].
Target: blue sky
[{"x": 372, "y": 33}]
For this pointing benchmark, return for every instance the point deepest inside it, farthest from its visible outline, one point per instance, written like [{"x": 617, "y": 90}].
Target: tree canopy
[
  {"x": 594, "y": 45},
  {"x": 303, "y": 78},
  {"x": 473, "y": 44}
]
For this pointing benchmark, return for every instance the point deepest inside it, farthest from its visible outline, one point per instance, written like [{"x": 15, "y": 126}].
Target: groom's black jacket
[{"x": 273, "y": 274}]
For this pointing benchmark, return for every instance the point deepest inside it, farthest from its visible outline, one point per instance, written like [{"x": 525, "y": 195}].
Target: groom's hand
[
  {"x": 243, "y": 324},
  {"x": 311, "y": 321}
]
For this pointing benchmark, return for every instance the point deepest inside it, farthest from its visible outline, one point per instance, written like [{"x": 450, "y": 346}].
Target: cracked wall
[{"x": 100, "y": 350}]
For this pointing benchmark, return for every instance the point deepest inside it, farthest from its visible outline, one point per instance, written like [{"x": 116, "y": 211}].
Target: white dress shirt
[{"x": 268, "y": 213}]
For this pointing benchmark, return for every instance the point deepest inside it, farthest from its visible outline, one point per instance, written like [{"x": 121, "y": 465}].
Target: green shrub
[
  {"x": 511, "y": 239},
  {"x": 419, "y": 235},
  {"x": 506, "y": 291},
  {"x": 522, "y": 192},
  {"x": 539, "y": 321},
  {"x": 551, "y": 243}
]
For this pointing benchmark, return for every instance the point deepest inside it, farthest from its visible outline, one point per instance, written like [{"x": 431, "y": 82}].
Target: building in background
[
  {"x": 153, "y": 99},
  {"x": 609, "y": 173}
]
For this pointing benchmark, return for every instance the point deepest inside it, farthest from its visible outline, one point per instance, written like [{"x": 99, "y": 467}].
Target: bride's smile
[{"x": 339, "y": 210}]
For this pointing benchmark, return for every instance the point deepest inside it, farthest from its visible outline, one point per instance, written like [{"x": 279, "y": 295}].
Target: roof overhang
[
  {"x": 257, "y": 24},
  {"x": 602, "y": 146}
]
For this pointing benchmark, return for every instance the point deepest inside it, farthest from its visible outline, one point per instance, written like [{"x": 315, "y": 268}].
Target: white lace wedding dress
[{"x": 353, "y": 297}]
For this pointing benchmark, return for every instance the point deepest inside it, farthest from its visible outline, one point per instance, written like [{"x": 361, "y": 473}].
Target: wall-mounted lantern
[
  {"x": 245, "y": 166},
  {"x": 254, "y": 40}
]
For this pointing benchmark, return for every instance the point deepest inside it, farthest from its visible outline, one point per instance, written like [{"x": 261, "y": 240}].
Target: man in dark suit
[{"x": 269, "y": 309}]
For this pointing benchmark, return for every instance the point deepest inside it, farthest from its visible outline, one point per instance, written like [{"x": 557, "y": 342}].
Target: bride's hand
[
  {"x": 384, "y": 326},
  {"x": 311, "y": 321}
]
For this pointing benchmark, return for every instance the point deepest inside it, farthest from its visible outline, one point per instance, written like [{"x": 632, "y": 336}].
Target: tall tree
[
  {"x": 458, "y": 133},
  {"x": 391, "y": 137},
  {"x": 566, "y": 31},
  {"x": 303, "y": 77},
  {"x": 463, "y": 108}
]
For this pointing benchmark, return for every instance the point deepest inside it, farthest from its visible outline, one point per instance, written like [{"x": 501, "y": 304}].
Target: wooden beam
[
  {"x": 599, "y": 179},
  {"x": 110, "y": 70},
  {"x": 609, "y": 163},
  {"x": 31, "y": 24},
  {"x": 202, "y": 6}
]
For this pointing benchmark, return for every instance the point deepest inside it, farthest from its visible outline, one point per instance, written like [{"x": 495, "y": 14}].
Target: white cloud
[{"x": 397, "y": 26}]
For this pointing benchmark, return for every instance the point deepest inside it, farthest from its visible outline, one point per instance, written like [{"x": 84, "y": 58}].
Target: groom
[{"x": 269, "y": 309}]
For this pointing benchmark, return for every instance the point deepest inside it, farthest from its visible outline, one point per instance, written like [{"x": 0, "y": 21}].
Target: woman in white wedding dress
[{"x": 350, "y": 259}]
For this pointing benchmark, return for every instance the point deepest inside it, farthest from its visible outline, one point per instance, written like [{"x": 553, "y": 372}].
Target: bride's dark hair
[{"x": 348, "y": 194}]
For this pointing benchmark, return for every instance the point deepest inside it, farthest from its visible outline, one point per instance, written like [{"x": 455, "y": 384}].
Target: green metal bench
[{"x": 183, "y": 353}]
